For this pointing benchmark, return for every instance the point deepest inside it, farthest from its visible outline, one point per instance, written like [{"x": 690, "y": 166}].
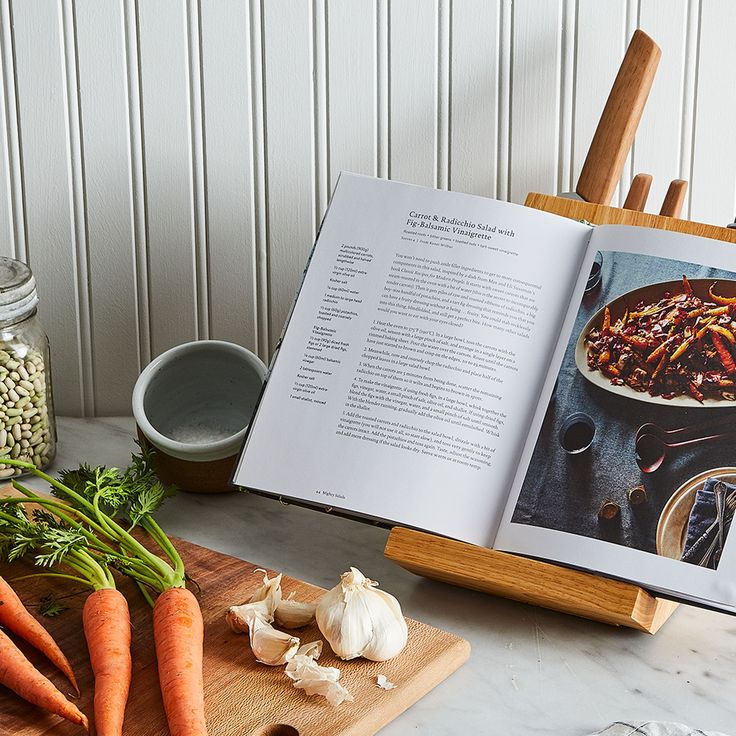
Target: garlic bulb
[
  {"x": 293, "y": 614},
  {"x": 358, "y": 620},
  {"x": 269, "y": 645}
]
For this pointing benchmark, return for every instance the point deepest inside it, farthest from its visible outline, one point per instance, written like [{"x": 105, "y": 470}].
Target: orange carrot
[
  {"x": 178, "y": 633},
  {"x": 18, "y": 674},
  {"x": 14, "y": 616},
  {"x": 106, "y": 621}
]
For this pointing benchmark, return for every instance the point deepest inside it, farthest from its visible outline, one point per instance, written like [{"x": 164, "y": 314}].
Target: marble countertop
[{"x": 531, "y": 672}]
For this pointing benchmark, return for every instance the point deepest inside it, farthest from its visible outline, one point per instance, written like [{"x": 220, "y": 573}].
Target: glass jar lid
[{"x": 18, "y": 295}]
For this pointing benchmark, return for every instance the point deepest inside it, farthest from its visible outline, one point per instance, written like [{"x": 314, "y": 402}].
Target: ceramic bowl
[{"x": 193, "y": 404}]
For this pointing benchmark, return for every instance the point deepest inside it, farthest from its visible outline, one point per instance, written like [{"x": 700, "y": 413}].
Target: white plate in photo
[
  {"x": 649, "y": 295},
  {"x": 672, "y": 526}
]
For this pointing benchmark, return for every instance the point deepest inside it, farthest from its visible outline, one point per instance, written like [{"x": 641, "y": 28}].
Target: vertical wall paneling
[
  {"x": 228, "y": 144},
  {"x": 78, "y": 203},
  {"x": 137, "y": 179},
  {"x": 199, "y": 185},
  {"x": 320, "y": 107},
  {"x": 289, "y": 121},
  {"x": 110, "y": 229},
  {"x": 475, "y": 87},
  {"x": 565, "y": 181},
  {"x": 505, "y": 45},
  {"x": 658, "y": 139},
  {"x": 535, "y": 112},
  {"x": 164, "y": 165},
  {"x": 383, "y": 89},
  {"x": 12, "y": 219},
  {"x": 258, "y": 176},
  {"x": 167, "y": 150},
  {"x": 600, "y": 48},
  {"x": 351, "y": 87},
  {"x": 714, "y": 155},
  {"x": 48, "y": 184},
  {"x": 689, "y": 96},
  {"x": 413, "y": 92},
  {"x": 444, "y": 93}
]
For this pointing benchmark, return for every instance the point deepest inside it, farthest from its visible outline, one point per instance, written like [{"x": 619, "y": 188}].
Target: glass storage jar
[{"x": 27, "y": 423}]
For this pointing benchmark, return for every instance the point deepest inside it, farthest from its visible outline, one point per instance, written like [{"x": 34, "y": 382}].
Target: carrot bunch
[
  {"x": 18, "y": 674},
  {"x": 92, "y": 502}
]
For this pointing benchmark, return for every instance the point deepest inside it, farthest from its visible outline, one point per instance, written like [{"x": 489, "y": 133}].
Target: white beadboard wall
[{"x": 164, "y": 164}]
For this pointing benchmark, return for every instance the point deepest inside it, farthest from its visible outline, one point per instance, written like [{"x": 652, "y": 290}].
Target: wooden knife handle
[
  {"x": 636, "y": 199},
  {"x": 620, "y": 118},
  {"x": 674, "y": 198}
]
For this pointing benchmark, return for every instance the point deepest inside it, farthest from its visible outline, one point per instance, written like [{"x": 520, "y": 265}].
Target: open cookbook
[{"x": 513, "y": 379}]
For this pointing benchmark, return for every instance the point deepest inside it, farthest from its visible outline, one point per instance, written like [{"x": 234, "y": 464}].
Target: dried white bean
[
  {"x": 15, "y": 451},
  {"x": 24, "y": 444},
  {"x": 13, "y": 395},
  {"x": 7, "y": 472},
  {"x": 21, "y": 391},
  {"x": 16, "y": 432},
  {"x": 24, "y": 433}
]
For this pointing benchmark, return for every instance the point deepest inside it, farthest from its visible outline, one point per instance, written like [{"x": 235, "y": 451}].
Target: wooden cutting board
[{"x": 242, "y": 697}]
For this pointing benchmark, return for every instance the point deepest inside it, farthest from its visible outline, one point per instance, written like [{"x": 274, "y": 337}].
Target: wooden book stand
[{"x": 531, "y": 581}]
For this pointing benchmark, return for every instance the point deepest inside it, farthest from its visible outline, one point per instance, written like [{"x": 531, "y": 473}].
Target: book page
[
  {"x": 412, "y": 362},
  {"x": 631, "y": 457}
]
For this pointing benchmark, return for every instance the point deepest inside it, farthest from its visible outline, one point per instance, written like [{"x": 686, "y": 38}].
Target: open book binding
[{"x": 514, "y": 379}]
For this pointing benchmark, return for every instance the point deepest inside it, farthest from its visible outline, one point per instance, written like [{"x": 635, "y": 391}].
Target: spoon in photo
[
  {"x": 729, "y": 420},
  {"x": 651, "y": 449}
]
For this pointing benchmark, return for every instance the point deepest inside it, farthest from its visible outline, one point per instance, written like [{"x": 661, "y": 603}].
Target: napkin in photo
[{"x": 702, "y": 518}]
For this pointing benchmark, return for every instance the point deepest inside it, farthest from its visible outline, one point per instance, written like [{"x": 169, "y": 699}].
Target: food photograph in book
[{"x": 638, "y": 443}]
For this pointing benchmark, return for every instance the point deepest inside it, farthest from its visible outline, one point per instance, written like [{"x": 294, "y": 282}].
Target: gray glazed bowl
[{"x": 194, "y": 402}]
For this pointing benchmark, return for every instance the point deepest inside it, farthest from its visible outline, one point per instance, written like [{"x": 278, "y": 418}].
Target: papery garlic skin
[
  {"x": 358, "y": 620},
  {"x": 270, "y": 646},
  {"x": 315, "y": 679}
]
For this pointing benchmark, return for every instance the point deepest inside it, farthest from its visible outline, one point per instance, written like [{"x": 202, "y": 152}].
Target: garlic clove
[
  {"x": 270, "y": 646},
  {"x": 237, "y": 616},
  {"x": 293, "y": 614},
  {"x": 265, "y": 600},
  {"x": 358, "y": 620},
  {"x": 269, "y": 592}
]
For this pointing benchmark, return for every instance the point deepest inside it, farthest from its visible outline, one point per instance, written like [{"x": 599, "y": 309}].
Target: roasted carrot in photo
[
  {"x": 18, "y": 674},
  {"x": 16, "y": 618}
]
